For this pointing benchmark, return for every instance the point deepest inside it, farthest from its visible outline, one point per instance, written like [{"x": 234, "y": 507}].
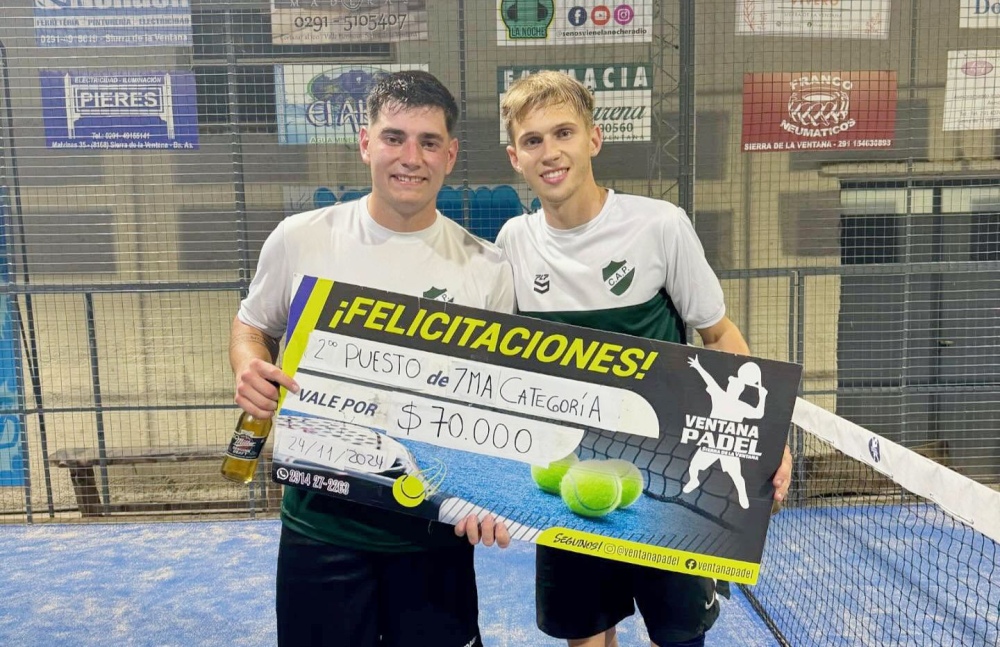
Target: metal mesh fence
[{"x": 839, "y": 160}]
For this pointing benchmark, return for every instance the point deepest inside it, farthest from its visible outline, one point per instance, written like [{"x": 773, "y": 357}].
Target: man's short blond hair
[{"x": 543, "y": 90}]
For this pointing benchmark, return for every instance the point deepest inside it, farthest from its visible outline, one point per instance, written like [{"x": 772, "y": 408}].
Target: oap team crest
[
  {"x": 618, "y": 276},
  {"x": 439, "y": 294}
]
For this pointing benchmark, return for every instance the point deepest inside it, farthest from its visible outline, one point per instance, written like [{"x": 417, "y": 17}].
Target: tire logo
[{"x": 819, "y": 106}]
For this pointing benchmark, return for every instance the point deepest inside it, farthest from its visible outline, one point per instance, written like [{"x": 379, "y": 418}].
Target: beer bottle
[{"x": 244, "y": 449}]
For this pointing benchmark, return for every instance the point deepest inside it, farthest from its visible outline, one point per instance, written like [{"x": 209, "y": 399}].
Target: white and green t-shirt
[
  {"x": 637, "y": 268},
  {"x": 344, "y": 243}
]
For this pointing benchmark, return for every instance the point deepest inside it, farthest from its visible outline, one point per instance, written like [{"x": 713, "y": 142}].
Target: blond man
[{"x": 581, "y": 229}]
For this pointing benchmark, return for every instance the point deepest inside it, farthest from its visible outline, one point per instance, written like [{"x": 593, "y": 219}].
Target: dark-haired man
[{"x": 350, "y": 574}]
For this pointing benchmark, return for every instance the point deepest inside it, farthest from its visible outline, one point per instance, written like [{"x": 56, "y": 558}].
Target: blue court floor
[{"x": 211, "y": 583}]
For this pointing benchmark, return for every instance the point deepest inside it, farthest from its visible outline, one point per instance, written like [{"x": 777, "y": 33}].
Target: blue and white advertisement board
[
  {"x": 136, "y": 109},
  {"x": 11, "y": 458},
  {"x": 325, "y": 104},
  {"x": 112, "y": 23}
]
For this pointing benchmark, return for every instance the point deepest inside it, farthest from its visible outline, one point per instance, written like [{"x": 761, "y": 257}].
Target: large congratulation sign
[
  {"x": 112, "y": 23},
  {"x": 547, "y": 22},
  {"x": 819, "y": 111},
  {"x": 308, "y": 22},
  {"x": 972, "y": 93},
  {"x": 827, "y": 18},
  {"x": 325, "y": 104},
  {"x": 108, "y": 110},
  {"x": 622, "y": 96},
  {"x": 604, "y": 444}
]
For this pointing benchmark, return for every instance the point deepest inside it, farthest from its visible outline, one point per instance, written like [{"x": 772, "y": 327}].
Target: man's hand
[
  {"x": 782, "y": 480},
  {"x": 257, "y": 387},
  {"x": 490, "y": 530},
  {"x": 252, "y": 354}
]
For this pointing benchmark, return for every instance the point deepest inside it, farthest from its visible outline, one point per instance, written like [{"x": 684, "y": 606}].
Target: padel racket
[{"x": 378, "y": 470}]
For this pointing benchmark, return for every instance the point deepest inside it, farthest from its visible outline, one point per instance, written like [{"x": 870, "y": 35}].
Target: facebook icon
[{"x": 577, "y": 16}]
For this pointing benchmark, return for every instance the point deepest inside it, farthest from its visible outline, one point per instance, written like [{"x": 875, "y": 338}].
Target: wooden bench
[{"x": 83, "y": 463}]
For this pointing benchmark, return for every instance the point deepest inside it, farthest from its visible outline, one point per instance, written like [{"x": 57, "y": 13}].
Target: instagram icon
[{"x": 624, "y": 14}]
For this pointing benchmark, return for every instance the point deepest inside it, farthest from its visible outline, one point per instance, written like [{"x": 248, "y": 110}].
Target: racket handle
[{"x": 453, "y": 509}]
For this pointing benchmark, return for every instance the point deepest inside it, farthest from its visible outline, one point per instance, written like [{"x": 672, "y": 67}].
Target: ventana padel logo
[{"x": 726, "y": 436}]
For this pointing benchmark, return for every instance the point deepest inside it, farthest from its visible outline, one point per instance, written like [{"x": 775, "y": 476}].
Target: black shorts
[
  {"x": 579, "y": 596},
  {"x": 330, "y": 595}
]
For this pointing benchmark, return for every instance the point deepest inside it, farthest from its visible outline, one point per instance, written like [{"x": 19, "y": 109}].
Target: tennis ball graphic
[
  {"x": 548, "y": 478},
  {"x": 591, "y": 489},
  {"x": 409, "y": 491},
  {"x": 631, "y": 479}
]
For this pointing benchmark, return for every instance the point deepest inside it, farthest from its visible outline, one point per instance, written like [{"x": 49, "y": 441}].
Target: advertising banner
[
  {"x": 12, "y": 459},
  {"x": 818, "y": 111},
  {"x": 604, "y": 444},
  {"x": 972, "y": 92},
  {"x": 981, "y": 14},
  {"x": 112, "y": 110},
  {"x": 112, "y": 23},
  {"x": 325, "y": 104},
  {"x": 547, "y": 22},
  {"x": 821, "y": 18},
  {"x": 305, "y": 22},
  {"x": 623, "y": 94}
]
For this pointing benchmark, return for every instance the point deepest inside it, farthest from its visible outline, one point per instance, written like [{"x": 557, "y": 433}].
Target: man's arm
[
  {"x": 725, "y": 336},
  {"x": 252, "y": 354}
]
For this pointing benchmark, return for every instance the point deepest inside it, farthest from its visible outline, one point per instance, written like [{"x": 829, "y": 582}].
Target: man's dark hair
[{"x": 411, "y": 89}]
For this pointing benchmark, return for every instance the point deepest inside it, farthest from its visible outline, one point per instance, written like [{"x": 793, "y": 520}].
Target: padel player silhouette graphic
[{"x": 727, "y": 405}]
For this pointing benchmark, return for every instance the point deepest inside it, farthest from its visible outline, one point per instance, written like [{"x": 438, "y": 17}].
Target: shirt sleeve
[
  {"x": 267, "y": 302},
  {"x": 509, "y": 287},
  {"x": 691, "y": 283},
  {"x": 502, "y": 237},
  {"x": 502, "y": 296}
]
